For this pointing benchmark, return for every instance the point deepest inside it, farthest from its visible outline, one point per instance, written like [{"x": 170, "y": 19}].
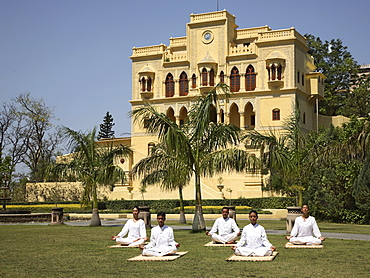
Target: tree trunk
[
  {"x": 198, "y": 221},
  {"x": 95, "y": 219},
  {"x": 182, "y": 210}
]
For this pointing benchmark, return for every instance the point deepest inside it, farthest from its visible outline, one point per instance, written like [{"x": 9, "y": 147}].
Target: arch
[
  {"x": 222, "y": 116},
  {"x": 184, "y": 84},
  {"x": 143, "y": 84},
  {"x": 204, "y": 77},
  {"x": 183, "y": 116},
  {"x": 222, "y": 77},
  {"x": 276, "y": 114},
  {"x": 249, "y": 116},
  {"x": 193, "y": 81},
  {"x": 211, "y": 77},
  {"x": 234, "y": 80},
  {"x": 234, "y": 117},
  {"x": 149, "y": 84},
  {"x": 213, "y": 114},
  {"x": 250, "y": 79},
  {"x": 171, "y": 114},
  {"x": 170, "y": 85}
]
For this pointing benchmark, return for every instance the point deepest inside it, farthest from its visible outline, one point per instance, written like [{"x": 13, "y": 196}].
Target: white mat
[
  {"x": 253, "y": 259},
  {"x": 291, "y": 245},
  {"x": 171, "y": 257}
]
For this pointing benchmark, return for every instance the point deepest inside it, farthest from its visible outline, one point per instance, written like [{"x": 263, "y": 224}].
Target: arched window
[
  {"x": 213, "y": 114},
  {"x": 250, "y": 79},
  {"x": 170, "y": 86},
  {"x": 279, "y": 70},
  {"x": 149, "y": 84},
  {"x": 211, "y": 77},
  {"x": 273, "y": 72},
  {"x": 204, "y": 77},
  {"x": 184, "y": 84},
  {"x": 234, "y": 80},
  {"x": 183, "y": 116},
  {"x": 222, "y": 116},
  {"x": 276, "y": 114},
  {"x": 171, "y": 114},
  {"x": 194, "y": 81},
  {"x": 222, "y": 77},
  {"x": 143, "y": 84}
]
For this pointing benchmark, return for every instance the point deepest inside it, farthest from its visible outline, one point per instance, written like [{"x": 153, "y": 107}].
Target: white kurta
[
  {"x": 161, "y": 243},
  {"x": 303, "y": 229},
  {"x": 227, "y": 230},
  {"x": 136, "y": 233},
  {"x": 253, "y": 242}
]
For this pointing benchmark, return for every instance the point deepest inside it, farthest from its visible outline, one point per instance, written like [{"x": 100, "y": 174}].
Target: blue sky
[{"x": 75, "y": 53}]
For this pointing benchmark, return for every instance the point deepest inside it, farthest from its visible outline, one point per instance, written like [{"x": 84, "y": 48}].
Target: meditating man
[
  {"x": 226, "y": 227},
  {"x": 253, "y": 241},
  {"x": 136, "y": 231},
  {"x": 162, "y": 241},
  {"x": 303, "y": 228}
]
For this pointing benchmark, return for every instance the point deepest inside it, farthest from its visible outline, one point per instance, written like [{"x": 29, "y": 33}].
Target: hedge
[{"x": 169, "y": 205}]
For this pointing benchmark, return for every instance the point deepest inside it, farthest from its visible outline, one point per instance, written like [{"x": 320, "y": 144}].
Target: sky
[{"x": 74, "y": 54}]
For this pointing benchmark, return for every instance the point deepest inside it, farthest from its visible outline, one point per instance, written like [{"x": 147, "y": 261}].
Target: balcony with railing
[{"x": 148, "y": 50}]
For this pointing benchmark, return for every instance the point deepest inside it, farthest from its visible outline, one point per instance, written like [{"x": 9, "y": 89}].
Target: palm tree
[
  {"x": 198, "y": 148},
  {"x": 284, "y": 154},
  {"x": 91, "y": 164}
]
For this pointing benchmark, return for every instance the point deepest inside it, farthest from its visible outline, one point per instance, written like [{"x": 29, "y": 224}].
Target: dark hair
[
  {"x": 225, "y": 208},
  {"x": 253, "y": 211},
  {"x": 161, "y": 213},
  {"x": 136, "y": 207}
]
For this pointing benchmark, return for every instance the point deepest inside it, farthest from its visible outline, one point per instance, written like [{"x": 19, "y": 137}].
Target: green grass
[
  {"x": 69, "y": 251},
  {"x": 281, "y": 225}
]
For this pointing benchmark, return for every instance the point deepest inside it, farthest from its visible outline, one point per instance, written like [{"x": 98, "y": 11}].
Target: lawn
[
  {"x": 281, "y": 225},
  {"x": 70, "y": 251}
]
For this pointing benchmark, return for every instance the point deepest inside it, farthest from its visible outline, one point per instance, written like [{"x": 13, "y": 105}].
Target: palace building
[{"x": 267, "y": 71}]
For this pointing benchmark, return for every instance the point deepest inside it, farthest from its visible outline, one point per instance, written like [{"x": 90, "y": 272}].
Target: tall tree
[
  {"x": 106, "y": 127},
  {"x": 42, "y": 139},
  {"x": 92, "y": 164},
  {"x": 334, "y": 61},
  {"x": 200, "y": 147}
]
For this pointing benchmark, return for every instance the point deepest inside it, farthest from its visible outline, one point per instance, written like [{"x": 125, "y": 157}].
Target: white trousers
[
  {"x": 257, "y": 252},
  {"x": 159, "y": 251},
  {"x": 309, "y": 240},
  {"x": 129, "y": 241},
  {"x": 224, "y": 239}
]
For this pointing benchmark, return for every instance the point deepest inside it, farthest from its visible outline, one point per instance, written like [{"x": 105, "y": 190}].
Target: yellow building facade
[{"x": 267, "y": 71}]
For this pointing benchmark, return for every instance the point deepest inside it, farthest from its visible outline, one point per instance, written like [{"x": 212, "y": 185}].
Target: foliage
[
  {"x": 334, "y": 61},
  {"x": 27, "y": 134},
  {"x": 169, "y": 205},
  {"x": 357, "y": 100},
  {"x": 91, "y": 164},
  {"x": 106, "y": 127},
  {"x": 361, "y": 189}
]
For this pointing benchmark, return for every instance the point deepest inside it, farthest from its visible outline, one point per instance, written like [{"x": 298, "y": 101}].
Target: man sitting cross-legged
[
  {"x": 135, "y": 228},
  {"x": 162, "y": 241},
  {"x": 226, "y": 227},
  {"x": 303, "y": 228}
]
